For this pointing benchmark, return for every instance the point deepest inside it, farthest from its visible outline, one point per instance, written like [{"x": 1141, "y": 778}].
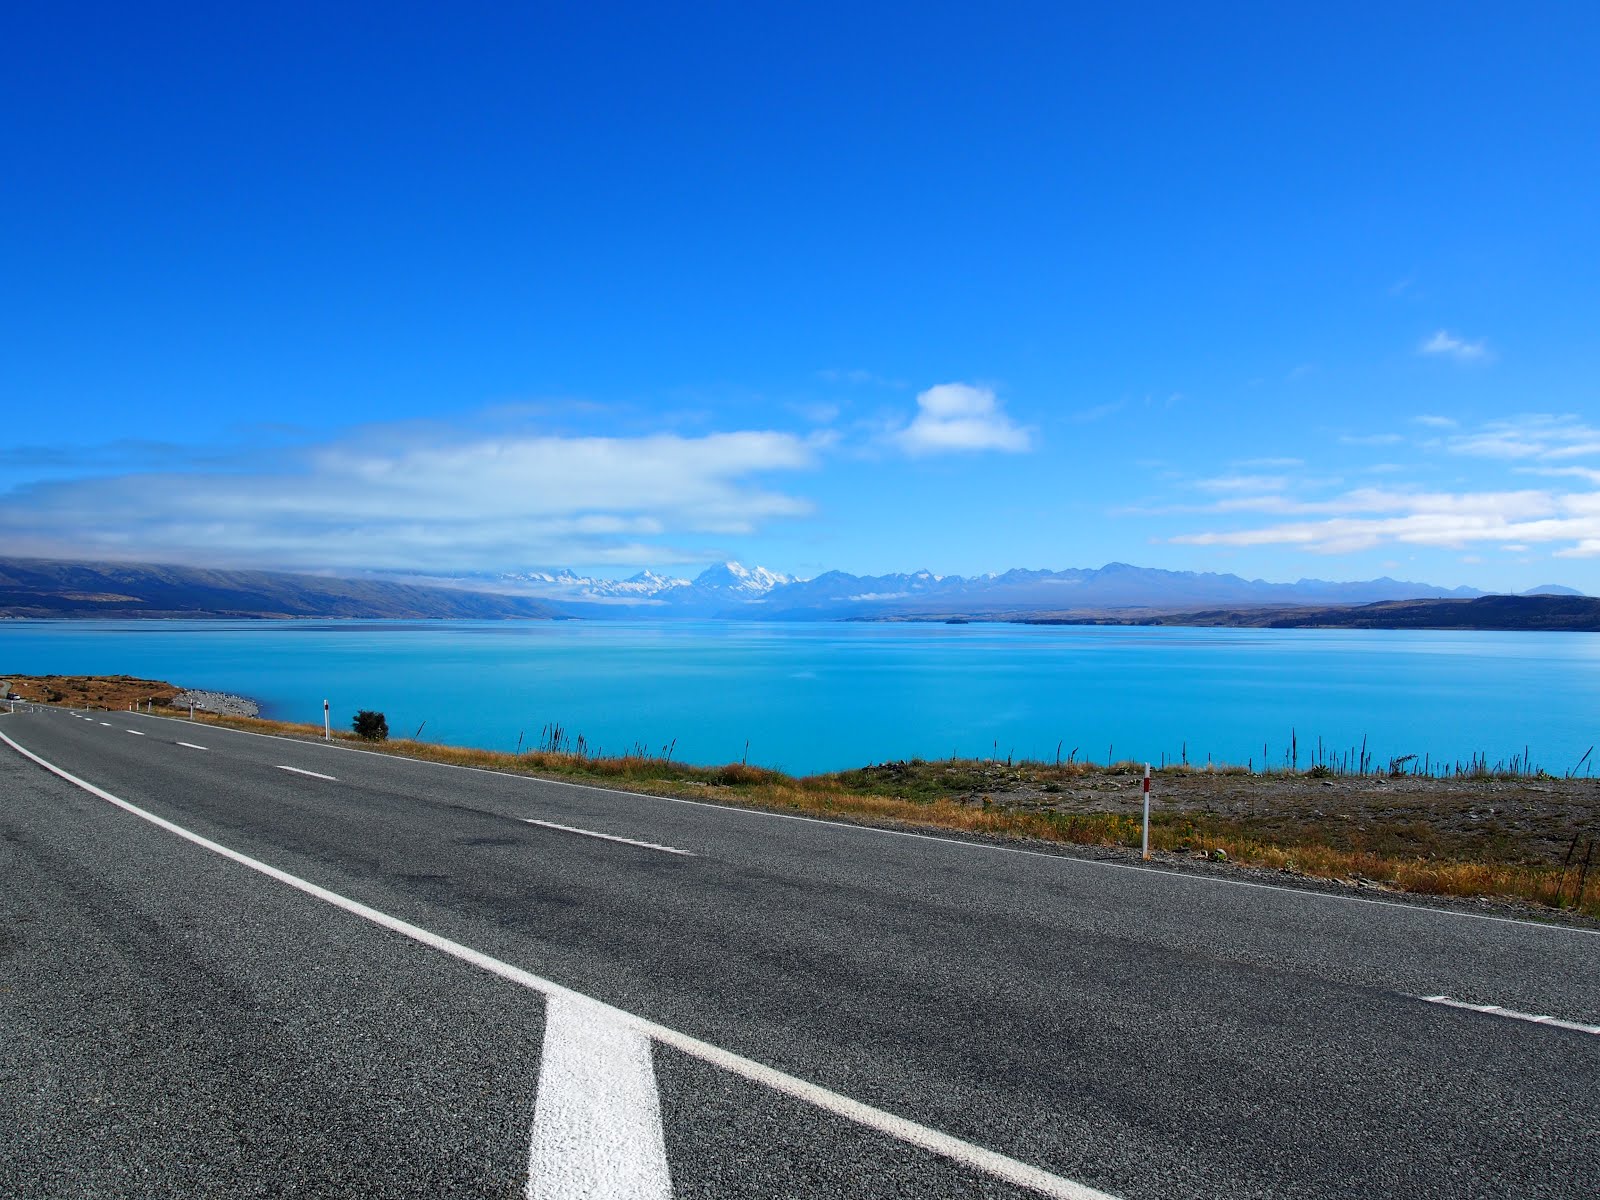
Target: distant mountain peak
[{"x": 737, "y": 578}]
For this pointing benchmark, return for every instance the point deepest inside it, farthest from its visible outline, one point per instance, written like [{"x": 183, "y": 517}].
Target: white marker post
[
  {"x": 1147, "y": 812},
  {"x": 327, "y": 730}
]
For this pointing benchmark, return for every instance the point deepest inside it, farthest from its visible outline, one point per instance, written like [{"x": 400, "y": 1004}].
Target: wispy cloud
[
  {"x": 388, "y": 498},
  {"x": 1243, "y": 483},
  {"x": 1099, "y": 411},
  {"x": 954, "y": 417},
  {"x": 1587, "y": 474},
  {"x": 1436, "y": 422},
  {"x": 1370, "y": 517},
  {"x": 857, "y": 377},
  {"x": 1370, "y": 439},
  {"x": 1448, "y": 345},
  {"x": 1535, "y": 436}
]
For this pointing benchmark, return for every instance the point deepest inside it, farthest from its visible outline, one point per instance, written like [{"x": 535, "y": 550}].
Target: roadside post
[
  {"x": 1147, "y": 812},
  {"x": 327, "y": 730}
]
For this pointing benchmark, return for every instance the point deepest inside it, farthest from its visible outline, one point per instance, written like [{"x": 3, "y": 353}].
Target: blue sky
[{"x": 869, "y": 287}]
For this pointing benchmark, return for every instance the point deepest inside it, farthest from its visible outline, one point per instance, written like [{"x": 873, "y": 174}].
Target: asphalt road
[{"x": 358, "y": 985}]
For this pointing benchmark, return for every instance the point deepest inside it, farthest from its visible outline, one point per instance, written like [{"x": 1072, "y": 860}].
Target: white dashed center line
[
  {"x": 609, "y": 837},
  {"x": 107, "y": 724},
  {"x": 313, "y": 774},
  {"x": 135, "y": 732},
  {"x": 191, "y": 745}
]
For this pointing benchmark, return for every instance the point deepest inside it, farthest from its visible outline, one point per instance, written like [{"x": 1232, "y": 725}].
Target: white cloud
[
  {"x": 1369, "y": 517},
  {"x": 1435, "y": 422},
  {"x": 1587, "y": 474},
  {"x": 960, "y": 417},
  {"x": 1450, "y": 346},
  {"x": 1537, "y": 436},
  {"x": 1244, "y": 483},
  {"x": 1370, "y": 439},
  {"x": 388, "y": 498}
]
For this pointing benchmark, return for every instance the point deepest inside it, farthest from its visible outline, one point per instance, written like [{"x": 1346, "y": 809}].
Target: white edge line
[
  {"x": 945, "y": 1145},
  {"x": 303, "y": 771},
  {"x": 1494, "y": 1010},
  {"x": 609, "y": 837},
  {"x": 1182, "y": 876}
]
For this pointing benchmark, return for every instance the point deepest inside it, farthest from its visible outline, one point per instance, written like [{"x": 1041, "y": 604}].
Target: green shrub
[{"x": 372, "y": 726}]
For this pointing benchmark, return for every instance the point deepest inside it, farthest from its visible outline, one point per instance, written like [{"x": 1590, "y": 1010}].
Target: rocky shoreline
[{"x": 222, "y": 703}]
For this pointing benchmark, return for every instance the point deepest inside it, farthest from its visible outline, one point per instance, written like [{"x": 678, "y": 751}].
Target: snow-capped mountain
[
  {"x": 734, "y": 581},
  {"x": 733, "y": 590},
  {"x": 718, "y": 587},
  {"x": 566, "y": 584}
]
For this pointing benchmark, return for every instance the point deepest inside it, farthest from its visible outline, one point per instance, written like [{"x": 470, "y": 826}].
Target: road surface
[{"x": 238, "y": 965}]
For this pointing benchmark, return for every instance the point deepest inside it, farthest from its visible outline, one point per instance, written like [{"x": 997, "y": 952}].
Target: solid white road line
[
  {"x": 191, "y": 745},
  {"x": 999, "y": 1166},
  {"x": 313, "y": 774},
  {"x": 1494, "y": 1010},
  {"x": 597, "y": 1120},
  {"x": 609, "y": 837}
]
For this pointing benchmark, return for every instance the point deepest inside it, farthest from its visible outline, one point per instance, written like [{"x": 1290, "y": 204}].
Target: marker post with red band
[{"x": 1147, "y": 812}]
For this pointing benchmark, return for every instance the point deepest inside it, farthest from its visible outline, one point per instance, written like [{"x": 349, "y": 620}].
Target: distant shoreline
[{"x": 1487, "y": 614}]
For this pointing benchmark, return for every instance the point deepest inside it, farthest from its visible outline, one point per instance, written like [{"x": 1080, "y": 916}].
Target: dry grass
[
  {"x": 1264, "y": 821},
  {"x": 113, "y": 692}
]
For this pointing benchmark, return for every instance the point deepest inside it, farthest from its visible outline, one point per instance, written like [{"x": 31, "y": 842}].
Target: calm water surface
[{"x": 821, "y": 696}]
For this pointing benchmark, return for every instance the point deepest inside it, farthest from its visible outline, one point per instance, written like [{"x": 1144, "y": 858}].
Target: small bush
[{"x": 372, "y": 726}]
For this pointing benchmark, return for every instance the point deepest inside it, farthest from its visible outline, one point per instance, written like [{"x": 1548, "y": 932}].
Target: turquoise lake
[{"x": 821, "y": 696}]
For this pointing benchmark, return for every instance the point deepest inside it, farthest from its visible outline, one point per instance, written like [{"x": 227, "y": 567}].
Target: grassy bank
[{"x": 1517, "y": 835}]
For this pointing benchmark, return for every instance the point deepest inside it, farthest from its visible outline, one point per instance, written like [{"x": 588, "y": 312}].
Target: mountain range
[
  {"x": 732, "y": 590},
  {"x": 53, "y": 588}
]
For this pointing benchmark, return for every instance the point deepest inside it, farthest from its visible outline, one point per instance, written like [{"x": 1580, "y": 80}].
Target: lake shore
[{"x": 1515, "y": 842}]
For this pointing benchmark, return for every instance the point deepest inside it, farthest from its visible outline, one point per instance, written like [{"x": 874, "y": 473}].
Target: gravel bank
[{"x": 223, "y": 703}]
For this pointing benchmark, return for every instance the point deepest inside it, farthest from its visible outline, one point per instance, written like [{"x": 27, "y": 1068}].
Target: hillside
[
  {"x": 1578, "y": 614},
  {"x": 52, "y": 588}
]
